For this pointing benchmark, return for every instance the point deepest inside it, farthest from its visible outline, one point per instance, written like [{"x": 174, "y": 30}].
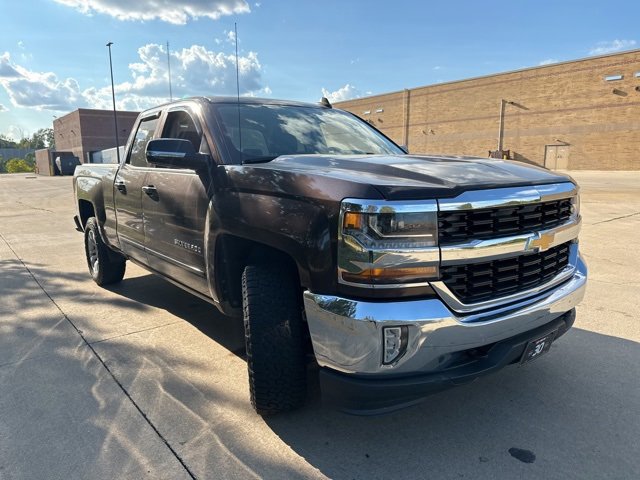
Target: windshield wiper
[{"x": 263, "y": 159}]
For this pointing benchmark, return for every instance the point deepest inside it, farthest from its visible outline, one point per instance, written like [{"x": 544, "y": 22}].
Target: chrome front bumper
[{"x": 347, "y": 334}]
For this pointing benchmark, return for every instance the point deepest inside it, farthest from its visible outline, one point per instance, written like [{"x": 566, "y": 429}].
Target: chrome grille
[
  {"x": 463, "y": 225},
  {"x": 477, "y": 282}
]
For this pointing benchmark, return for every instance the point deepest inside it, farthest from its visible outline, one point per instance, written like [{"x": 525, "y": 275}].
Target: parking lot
[{"x": 142, "y": 380}]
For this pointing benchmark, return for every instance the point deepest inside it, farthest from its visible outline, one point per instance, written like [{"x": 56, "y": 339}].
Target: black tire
[
  {"x": 105, "y": 266},
  {"x": 274, "y": 339}
]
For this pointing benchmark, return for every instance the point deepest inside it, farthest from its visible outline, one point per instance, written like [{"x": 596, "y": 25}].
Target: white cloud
[
  {"x": 40, "y": 90},
  {"x": 614, "y": 46},
  {"x": 347, "y": 92},
  {"x": 3, "y": 108},
  {"x": 194, "y": 71},
  {"x": 437, "y": 67},
  {"x": 7, "y": 69},
  {"x": 231, "y": 37},
  {"x": 166, "y": 10},
  {"x": 548, "y": 61}
]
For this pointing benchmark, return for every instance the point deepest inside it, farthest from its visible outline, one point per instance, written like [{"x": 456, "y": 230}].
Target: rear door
[
  {"x": 175, "y": 205},
  {"x": 128, "y": 190}
]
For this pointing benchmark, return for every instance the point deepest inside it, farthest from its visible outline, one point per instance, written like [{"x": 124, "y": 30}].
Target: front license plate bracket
[{"x": 538, "y": 347}]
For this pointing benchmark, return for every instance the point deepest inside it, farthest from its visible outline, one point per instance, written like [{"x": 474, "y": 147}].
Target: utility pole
[
  {"x": 113, "y": 98},
  {"x": 169, "y": 69},
  {"x": 503, "y": 106}
]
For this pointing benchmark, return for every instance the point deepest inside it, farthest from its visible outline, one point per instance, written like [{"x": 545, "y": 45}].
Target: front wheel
[
  {"x": 274, "y": 339},
  {"x": 105, "y": 266}
]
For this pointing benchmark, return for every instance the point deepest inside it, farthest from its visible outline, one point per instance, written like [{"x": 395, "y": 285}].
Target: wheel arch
[{"x": 232, "y": 254}]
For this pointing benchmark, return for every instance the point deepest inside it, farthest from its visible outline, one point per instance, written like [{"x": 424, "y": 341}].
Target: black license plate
[{"x": 537, "y": 348}]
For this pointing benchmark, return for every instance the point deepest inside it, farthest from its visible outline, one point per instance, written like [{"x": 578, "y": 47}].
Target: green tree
[
  {"x": 47, "y": 134},
  {"x": 6, "y": 142},
  {"x": 30, "y": 158},
  {"x": 17, "y": 165}
]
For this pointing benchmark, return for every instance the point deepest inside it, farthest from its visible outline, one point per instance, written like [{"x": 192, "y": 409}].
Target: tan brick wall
[{"x": 563, "y": 104}]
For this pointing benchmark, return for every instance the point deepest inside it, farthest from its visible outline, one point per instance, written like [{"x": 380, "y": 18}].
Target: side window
[
  {"x": 143, "y": 135},
  {"x": 180, "y": 125}
]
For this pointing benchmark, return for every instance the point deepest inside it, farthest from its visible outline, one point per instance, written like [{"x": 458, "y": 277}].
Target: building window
[
  {"x": 613, "y": 78},
  {"x": 380, "y": 110},
  {"x": 366, "y": 112},
  {"x": 637, "y": 74}
]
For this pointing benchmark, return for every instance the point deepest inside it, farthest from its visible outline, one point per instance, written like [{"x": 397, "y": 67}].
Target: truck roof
[{"x": 259, "y": 101}]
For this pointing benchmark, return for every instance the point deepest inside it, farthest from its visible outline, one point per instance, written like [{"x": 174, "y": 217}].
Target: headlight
[{"x": 385, "y": 244}]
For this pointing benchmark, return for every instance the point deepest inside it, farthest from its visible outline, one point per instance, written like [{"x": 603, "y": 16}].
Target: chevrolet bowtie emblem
[{"x": 541, "y": 242}]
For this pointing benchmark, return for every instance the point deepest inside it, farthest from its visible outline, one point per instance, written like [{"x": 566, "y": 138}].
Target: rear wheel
[
  {"x": 274, "y": 338},
  {"x": 105, "y": 266}
]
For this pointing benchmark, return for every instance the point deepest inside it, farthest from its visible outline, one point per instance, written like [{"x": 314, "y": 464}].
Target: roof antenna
[
  {"x": 325, "y": 102},
  {"x": 235, "y": 27},
  {"x": 169, "y": 68}
]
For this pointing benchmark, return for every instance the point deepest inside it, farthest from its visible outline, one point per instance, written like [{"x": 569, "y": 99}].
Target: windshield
[{"x": 263, "y": 132}]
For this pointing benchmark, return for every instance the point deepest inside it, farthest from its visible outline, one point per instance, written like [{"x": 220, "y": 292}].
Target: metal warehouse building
[{"x": 582, "y": 114}]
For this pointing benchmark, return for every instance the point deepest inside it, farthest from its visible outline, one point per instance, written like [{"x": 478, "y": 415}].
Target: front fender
[{"x": 301, "y": 228}]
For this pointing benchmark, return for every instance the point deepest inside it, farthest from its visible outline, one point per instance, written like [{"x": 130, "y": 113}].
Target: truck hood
[{"x": 399, "y": 177}]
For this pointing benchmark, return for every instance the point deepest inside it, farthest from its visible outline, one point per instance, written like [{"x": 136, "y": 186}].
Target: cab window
[
  {"x": 180, "y": 125},
  {"x": 145, "y": 132}
]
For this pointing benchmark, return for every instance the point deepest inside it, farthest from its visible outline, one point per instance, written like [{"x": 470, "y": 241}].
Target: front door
[
  {"x": 175, "y": 207},
  {"x": 127, "y": 192}
]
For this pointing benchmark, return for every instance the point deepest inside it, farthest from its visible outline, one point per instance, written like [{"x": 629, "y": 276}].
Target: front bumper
[
  {"x": 347, "y": 336},
  {"x": 363, "y": 395}
]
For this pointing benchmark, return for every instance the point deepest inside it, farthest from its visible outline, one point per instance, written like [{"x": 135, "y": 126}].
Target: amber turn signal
[
  {"x": 392, "y": 275},
  {"x": 353, "y": 221}
]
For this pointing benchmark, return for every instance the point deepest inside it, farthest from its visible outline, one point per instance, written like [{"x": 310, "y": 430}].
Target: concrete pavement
[{"x": 142, "y": 380}]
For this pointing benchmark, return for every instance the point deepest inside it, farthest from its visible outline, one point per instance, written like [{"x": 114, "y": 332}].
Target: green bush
[{"x": 18, "y": 165}]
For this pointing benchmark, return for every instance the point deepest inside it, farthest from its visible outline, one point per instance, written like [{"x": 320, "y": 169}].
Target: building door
[{"x": 556, "y": 157}]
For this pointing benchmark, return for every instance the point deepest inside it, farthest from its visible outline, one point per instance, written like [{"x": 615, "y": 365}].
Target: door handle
[
  {"x": 120, "y": 185},
  {"x": 150, "y": 190}
]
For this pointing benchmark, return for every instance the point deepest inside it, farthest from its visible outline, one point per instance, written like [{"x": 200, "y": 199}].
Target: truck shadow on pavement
[
  {"x": 151, "y": 290},
  {"x": 572, "y": 412},
  {"x": 561, "y": 412},
  {"x": 558, "y": 410}
]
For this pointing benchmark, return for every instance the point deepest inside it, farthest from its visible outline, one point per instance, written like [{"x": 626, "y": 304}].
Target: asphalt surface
[{"x": 142, "y": 380}]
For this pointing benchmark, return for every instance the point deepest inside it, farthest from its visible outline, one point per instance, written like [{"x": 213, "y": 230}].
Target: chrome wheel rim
[{"x": 92, "y": 248}]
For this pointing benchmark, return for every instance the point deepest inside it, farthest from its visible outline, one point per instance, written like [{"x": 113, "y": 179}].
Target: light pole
[
  {"x": 503, "y": 104},
  {"x": 113, "y": 98}
]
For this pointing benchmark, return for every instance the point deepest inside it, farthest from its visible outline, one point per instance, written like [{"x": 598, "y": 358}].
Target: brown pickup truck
[{"x": 400, "y": 274}]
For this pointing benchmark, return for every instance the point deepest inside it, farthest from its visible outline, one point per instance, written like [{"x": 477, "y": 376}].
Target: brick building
[
  {"x": 582, "y": 114},
  {"x": 84, "y": 131}
]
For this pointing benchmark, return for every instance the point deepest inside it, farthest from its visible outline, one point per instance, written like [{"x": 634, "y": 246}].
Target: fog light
[{"x": 394, "y": 343}]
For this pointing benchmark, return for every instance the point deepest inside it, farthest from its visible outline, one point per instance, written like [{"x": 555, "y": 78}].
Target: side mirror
[{"x": 175, "y": 152}]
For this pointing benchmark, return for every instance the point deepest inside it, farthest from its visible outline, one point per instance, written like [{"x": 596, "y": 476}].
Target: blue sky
[{"x": 53, "y": 57}]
